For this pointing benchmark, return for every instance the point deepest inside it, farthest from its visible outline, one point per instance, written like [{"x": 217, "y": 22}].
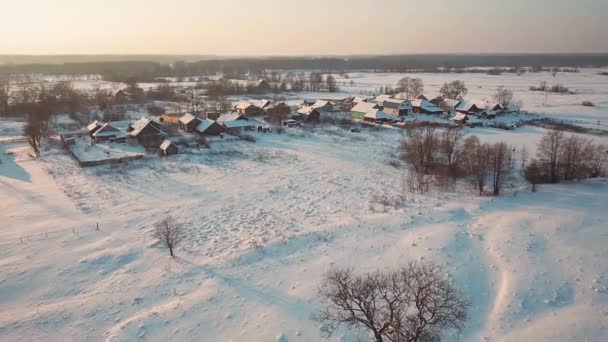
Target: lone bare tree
[
  {"x": 169, "y": 232},
  {"x": 453, "y": 90},
  {"x": 413, "y": 303}
]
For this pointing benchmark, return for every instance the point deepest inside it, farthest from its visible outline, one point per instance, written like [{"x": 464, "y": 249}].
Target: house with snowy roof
[
  {"x": 167, "y": 148},
  {"x": 467, "y": 107},
  {"x": 210, "y": 127},
  {"x": 396, "y": 107},
  {"x": 323, "y": 105},
  {"x": 309, "y": 114},
  {"x": 378, "y": 116},
  {"x": 361, "y": 108},
  {"x": 421, "y": 106},
  {"x": 188, "y": 122},
  {"x": 248, "y": 109},
  {"x": 237, "y": 123},
  {"x": 147, "y": 132},
  {"x": 460, "y": 118},
  {"x": 107, "y": 132}
]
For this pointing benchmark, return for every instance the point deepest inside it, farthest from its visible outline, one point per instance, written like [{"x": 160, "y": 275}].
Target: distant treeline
[{"x": 142, "y": 71}]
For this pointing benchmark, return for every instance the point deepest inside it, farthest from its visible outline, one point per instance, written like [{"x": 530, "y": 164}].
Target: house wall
[{"x": 358, "y": 115}]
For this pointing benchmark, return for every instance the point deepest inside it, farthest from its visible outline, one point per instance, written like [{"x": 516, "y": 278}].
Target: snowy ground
[{"x": 264, "y": 221}]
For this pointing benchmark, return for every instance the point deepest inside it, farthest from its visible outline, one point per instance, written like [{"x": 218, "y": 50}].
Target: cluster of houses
[{"x": 386, "y": 108}]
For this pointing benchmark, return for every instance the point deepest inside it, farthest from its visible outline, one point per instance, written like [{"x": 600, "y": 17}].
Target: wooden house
[
  {"x": 361, "y": 108},
  {"x": 93, "y": 127},
  {"x": 468, "y": 108},
  {"x": 420, "y": 106},
  {"x": 397, "y": 107},
  {"x": 309, "y": 114},
  {"x": 248, "y": 109},
  {"x": 108, "y": 132},
  {"x": 210, "y": 127},
  {"x": 188, "y": 122},
  {"x": 147, "y": 132},
  {"x": 167, "y": 148},
  {"x": 323, "y": 106},
  {"x": 237, "y": 123},
  {"x": 460, "y": 119},
  {"x": 378, "y": 116}
]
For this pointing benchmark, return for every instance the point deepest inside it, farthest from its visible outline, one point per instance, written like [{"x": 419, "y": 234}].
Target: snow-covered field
[{"x": 265, "y": 220}]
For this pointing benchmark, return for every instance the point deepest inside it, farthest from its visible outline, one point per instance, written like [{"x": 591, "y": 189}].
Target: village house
[
  {"x": 460, "y": 119},
  {"x": 323, "y": 106},
  {"x": 421, "y": 106},
  {"x": 468, "y": 108},
  {"x": 422, "y": 97},
  {"x": 188, "y": 122},
  {"x": 93, "y": 127},
  {"x": 361, "y": 108},
  {"x": 107, "y": 132},
  {"x": 167, "y": 148},
  {"x": 397, "y": 107},
  {"x": 248, "y": 109},
  {"x": 147, "y": 132},
  {"x": 238, "y": 123},
  {"x": 378, "y": 116},
  {"x": 309, "y": 114},
  {"x": 262, "y": 86},
  {"x": 210, "y": 127}
]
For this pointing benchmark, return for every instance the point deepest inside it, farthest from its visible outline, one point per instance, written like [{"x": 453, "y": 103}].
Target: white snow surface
[{"x": 263, "y": 221}]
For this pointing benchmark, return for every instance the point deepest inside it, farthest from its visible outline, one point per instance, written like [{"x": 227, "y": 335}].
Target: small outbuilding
[
  {"x": 168, "y": 148},
  {"x": 210, "y": 127},
  {"x": 460, "y": 119},
  {"x": 361, "y": 108}
]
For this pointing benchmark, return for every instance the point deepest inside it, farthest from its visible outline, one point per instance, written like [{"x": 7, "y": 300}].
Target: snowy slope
[{"x": 263, "y": 222}]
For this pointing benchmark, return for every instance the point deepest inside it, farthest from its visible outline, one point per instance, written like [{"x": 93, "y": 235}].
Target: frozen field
[{"x": 265, "y": 220}]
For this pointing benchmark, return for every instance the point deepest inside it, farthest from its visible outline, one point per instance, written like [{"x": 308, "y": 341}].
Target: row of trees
[
  {"x": 448, "y": 155},
  {"x": 566, "y": 157}
]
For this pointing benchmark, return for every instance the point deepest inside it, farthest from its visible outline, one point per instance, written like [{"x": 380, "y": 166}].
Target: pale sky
[{"x": 301, "y": 27}]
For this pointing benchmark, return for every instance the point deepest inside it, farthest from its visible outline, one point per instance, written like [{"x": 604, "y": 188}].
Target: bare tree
[
  {"x": 596, "y": 160},
  {"x": 413, "y": 303},
  {"x": 533, "y": 173},
  {"x": 523, "y": 157},
  {"x": 330, "y": 84},
  {"x": 571, "y": 156},
  {"x": 454, "y": 90},
  {"x": 503, "y": 96},
  {"x": 500, "y": 164},
  {"x": 477, "y": 162},
  {"x": 169, "y": 232},
  {"x": 451, "y": 148},
  {"x": 412, "y": 87},
  {"x": 548, "y": 153},
  {"x": 419, "y": 147}
]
